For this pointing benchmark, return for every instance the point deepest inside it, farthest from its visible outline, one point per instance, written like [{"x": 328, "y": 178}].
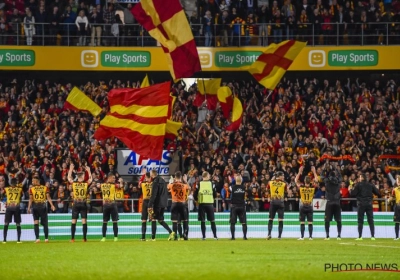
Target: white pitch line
[{"x": 365, "y": 245}]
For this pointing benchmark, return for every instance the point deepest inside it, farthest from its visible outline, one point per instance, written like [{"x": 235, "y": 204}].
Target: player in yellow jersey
[
  {"x": 396, "y": 216},
  {"x": 179, "y": 190},
  {"x": 306, "y": 199},
  {"x": 109, "y": 206},
  {"x": 38, "y": 196},
  {"x": 146, "y": 188},
  {"x": 79, "y": 195},
  {"x": 277, "y": 187},
  {"x": 13, "y": 195}
]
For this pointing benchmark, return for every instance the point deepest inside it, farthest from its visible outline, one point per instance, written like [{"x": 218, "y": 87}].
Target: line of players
[{"x": 155, "y": 200}]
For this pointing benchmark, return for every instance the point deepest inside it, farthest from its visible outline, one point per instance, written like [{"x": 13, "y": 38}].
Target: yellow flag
[
  {"x": 145, "y": 82},
  {"x": 79, "y": 101}
]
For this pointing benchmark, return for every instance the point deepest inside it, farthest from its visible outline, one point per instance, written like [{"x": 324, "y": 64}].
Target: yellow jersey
[
  {"x": 277, "y": 189},
  {"x": 306, "y": 195},
  {"x": 39, "y": 193},
  {"x": 13, "y": 195},
  {"x": 79, "y": 190},
  {"x": 396, "y": 194},
  {"x": 146, "y": 190},
  {"x": 108, "y": 192}
]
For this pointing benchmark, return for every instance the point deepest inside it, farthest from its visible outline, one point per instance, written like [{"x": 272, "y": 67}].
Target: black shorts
[
  {"x": 158, "y": 213},
  {"x": 277, "y": 207},
  {"x": 187, "y": 214},
  {"x": 206, "y": 209},
  {"x": 238, "y": 211},
  {"x": 306, "y": 211},
  {"x": 145, "y": 208},
  {"x": 110, "y": 210},
  {"x": 396, "y": 214},
  {"x": 333, "y": 210},
  {"x": 178, "y": 211},
  {"x": 79, "y": 208},
  {"x": 12, "y": 212},
  {"x": 40, "y": 212}
]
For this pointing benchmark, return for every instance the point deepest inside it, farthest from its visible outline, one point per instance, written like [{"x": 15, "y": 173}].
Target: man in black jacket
[
  {"x": 364, "y": 191},
  {"x": 157, "y": 204},
  {"x": 332, "y": 194},
  {"x": 238, "y": 209}
]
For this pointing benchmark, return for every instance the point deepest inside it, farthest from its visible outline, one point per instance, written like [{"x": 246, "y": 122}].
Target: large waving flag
[
  {"x": 237, "y": 114},
  {"x": 270, "y": 66},
  {"x": 225, "y": 99},
  {"x": 207, "y": 90},
  {"x": 167, "y": 23},
  {"x": 230, "y": 103},
  {"x": 138, "y": 117},
  {"x": 79, "y": 101}
]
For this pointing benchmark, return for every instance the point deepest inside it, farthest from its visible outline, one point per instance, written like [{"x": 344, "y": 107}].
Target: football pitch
[{"x": 196, "y": 259}]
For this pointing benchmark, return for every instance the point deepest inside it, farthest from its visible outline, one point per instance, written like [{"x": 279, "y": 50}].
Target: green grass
[{"x": 195, "y": 259}]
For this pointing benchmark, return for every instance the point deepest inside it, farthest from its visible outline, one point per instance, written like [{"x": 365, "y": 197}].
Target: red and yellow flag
[
  {"x": 270, "y": 66},
  {"x": 207, "y": 91},
  {"x": 138, "y": 117},
  {"x": 167, "y": 23},
  {"x": 237, "y": 114},
  {"x": 225, "y": 99},
  {"x": 79, "y": 101}
]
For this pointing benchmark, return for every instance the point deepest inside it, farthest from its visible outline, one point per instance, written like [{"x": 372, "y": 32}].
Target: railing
[
  {"x": 218, "y": 202},
  {"x": 63, "y": 34}
]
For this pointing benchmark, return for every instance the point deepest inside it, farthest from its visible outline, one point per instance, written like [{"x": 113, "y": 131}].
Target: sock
[
  {"x": 339, "y": 228},
  {"x": 233, "y": 230},
  {"x": 360, "y": 229},
  {"x": 104, "y": 229},
  {"x": 144, "y": 227},
  {"x": 19, "y": 232},
  {"x": 270, "y": 223},
  {"x": 244, "y": 228},
  {"x": 73, "y": 229},
  {"x": 372, "y": 229},
  {"x": 84, "y": 231},
  {"x": 180, "y": 230},
  {"x": 310, "y": 229},
  {"x": 280, "y": 228},
  {"x": 115, "y": 229},
  {"x": 203, "y": 229},
  {"x": 153, "y": 229},
  {"x": 46, "y": 231},
  {"x": 186, "y": 228},
  {"x": 36, "y": 229},
  {"x": 327, "y": 224},
  {"x": 302, "y": 229},
  {"x": 396, "y": 229},
  {"x": 214, "y": 229},
  {"x": 5, "y": 233},
  {"x": 164, "y": 224},
  {"x": 174, "y": 226}
]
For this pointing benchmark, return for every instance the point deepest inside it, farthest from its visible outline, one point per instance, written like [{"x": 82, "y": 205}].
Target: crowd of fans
[
  {"x": 293, "y": 125},
  {"x": 215, "y": 23}
]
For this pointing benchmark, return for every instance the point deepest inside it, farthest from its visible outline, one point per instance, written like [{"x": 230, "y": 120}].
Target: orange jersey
[{"x": 178, "y": 191}]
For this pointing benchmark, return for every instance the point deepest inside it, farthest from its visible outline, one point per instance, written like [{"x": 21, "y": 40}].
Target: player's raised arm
[
  {"x": 297, "y": 179},
  {"x": 71, "y": 168},
  {"x": 314, "y": 171},
  {"x": 90, "y": 175}
]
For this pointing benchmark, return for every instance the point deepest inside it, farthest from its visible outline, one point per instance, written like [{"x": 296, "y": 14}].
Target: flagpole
[{"x": 205, "y": 92}]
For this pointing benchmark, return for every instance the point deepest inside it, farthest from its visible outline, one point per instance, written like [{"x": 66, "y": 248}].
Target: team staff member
[
  {"x": 204, "y": 195},
  {"x": 13, "y": 196},
  {"x": 179, "y": 191},
  {"x": 79, "y": 195},
  {"x": 38, "y": 195},
  {"x": 306, "y": 198},
  {"x": 109, "y": 206},
  {"x": 157, "y": 203},
  {"x": 238, "y": 207},
  {"x": 396, "y": 198},
  {"x": 332, "y": 195},
  {"x": 363, "y": 191},
  {"x": 277, "y": 189},
  {"x": 146, "y": 187}
]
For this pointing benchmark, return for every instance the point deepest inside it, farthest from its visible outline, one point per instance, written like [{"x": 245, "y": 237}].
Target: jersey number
[
  {"x": 179, "y": 193},
  {"x": 106, "y": 193},
  {"x": 316, "y": 205},
  {"x": 148, "y": 191},
  {"x": 276, "y": 191},
  {"x": 11, "y": 196},
  {"x": 39, "y": 196},
  {"x": 307, "y": 196},
  {"x": 80, "y": 192}
]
